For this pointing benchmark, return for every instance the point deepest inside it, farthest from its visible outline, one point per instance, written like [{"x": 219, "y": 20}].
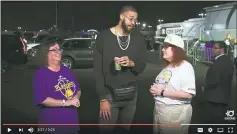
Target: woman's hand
[
  {"x": 156, "y": 89},
  {"x": 73, "y": 102}
]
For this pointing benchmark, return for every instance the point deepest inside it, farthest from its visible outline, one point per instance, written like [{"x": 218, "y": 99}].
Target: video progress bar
[{"x": 208, "y": 124}]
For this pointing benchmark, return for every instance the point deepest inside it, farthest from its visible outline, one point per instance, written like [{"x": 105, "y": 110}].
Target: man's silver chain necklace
[{"x": 123, "y": 44}]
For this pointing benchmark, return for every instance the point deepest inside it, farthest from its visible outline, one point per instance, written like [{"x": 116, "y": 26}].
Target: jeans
[{"x": 122, "y": 113}]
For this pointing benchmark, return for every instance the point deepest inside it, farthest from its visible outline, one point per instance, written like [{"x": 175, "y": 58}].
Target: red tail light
[{"x": 24, "y": 44}]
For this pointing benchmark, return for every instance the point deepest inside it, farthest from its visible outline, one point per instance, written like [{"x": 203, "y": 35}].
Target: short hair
[
  {"x": 127, "y": 8},
  {"x": 179, "y": 56},
  {"x": 222, "y": 45}
]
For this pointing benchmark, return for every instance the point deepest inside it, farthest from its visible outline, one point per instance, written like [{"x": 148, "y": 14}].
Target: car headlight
[{"x": 32, "y": 52}]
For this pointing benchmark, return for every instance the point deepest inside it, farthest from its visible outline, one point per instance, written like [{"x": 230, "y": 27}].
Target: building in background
[
  {"x": 190, "y": 29},
  {"x": 220, "y": 21}
]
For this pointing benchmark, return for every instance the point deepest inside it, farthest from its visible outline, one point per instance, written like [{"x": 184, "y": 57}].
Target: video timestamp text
[{"x": 45, "y": 129}]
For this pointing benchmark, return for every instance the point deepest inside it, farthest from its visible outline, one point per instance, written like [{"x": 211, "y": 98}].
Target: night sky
[{"x": 96, "y": 15}]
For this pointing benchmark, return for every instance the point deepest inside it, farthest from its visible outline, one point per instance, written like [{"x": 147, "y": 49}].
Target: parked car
[
  {"x": 13, "y": 49},
  {"x": 77, "y": 52},
  {"x": 37, "y": 38},
  {"x": 33, "y": 51},
  {"x": 28, "y": 36},
  {"x": 4, "y": 66},
  {"x": 40, "y": 39}
]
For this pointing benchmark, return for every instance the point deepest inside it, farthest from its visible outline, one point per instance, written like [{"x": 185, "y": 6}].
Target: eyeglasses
[
  {"x": 57, "y": 50},
  {"x": 131, "y": 19}
]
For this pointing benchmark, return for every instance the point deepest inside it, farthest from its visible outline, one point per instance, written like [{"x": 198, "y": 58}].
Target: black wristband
[{"x": 162, "y": 93}]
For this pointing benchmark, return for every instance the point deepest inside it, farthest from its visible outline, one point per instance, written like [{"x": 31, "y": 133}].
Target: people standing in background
[
  {"x": 230, "y": 46},
  {"x": 217, "y": 87},
  {"x": 234, "y": 41},
  {"x": 173, "y": 89}
]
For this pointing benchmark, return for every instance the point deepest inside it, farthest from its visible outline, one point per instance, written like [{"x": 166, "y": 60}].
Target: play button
[{"x": 9, "y": 130}]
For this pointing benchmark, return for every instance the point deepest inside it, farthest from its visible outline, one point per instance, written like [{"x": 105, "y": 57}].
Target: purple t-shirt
[{"x": 57, "y": 85}]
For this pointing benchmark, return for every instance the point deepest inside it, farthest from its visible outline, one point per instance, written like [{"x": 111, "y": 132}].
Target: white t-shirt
[{"x": 176, "y": 78}]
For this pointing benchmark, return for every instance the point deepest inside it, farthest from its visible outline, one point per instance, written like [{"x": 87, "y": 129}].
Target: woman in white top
[{"x": 173, "y": 89}]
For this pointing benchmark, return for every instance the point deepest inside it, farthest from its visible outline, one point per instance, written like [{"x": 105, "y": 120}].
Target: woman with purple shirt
[{"x": 57, "y": 93}]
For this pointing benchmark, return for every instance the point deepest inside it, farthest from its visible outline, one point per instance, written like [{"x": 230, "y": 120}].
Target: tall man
[
  {"x": 118, "y": 60},
  {"x": 217, "y": 88}
]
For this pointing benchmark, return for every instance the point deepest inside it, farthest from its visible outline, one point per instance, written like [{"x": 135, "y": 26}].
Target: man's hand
[
  {"x": 125, "y": 61},
  {"x": 105, "y": 112}
]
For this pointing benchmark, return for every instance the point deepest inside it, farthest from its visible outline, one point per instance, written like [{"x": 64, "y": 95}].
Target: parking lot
[{"x": 17, "y": 96}]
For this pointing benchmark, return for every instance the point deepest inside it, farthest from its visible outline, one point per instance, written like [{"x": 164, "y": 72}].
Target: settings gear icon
[{"x": 210, "y": 130}]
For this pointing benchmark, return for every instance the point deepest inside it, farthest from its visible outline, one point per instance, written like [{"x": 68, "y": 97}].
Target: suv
[
  {"x": 77, "y": 52},
  {"x": 13, "y": 49}
]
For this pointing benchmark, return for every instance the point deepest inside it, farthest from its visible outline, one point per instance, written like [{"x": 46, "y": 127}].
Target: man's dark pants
[
  {"x": 122, "y": 113},
  {"x": 213, "y": 113}
]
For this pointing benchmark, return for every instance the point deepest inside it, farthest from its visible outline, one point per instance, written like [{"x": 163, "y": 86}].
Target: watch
[
  {"x": 63, "y": 103},
  {"x": 162, "y": 93}
]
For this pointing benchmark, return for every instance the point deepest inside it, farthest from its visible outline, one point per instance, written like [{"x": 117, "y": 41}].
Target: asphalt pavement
[{"x": 17, "y": 96}]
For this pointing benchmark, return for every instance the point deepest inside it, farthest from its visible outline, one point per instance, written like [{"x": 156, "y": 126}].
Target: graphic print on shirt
[
  {"x": 66, "y": 87},
  {"x": 164, "y": 78}
]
